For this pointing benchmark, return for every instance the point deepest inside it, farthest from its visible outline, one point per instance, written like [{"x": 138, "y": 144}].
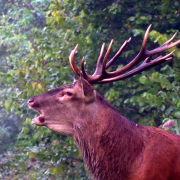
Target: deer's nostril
[
  {"x": 41, "y": 119},
  {"x": 31, "y": 102}
]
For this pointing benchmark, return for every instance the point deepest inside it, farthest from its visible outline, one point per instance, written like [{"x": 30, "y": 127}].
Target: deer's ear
[
  {"x": 87, "y": 91},
  {"x": 86, "y": 87}
]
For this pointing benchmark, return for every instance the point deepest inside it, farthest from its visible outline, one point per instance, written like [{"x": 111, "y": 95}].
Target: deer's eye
[{"x": 69, "y": 93}]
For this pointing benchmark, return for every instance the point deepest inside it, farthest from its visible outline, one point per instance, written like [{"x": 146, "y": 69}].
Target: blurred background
[{"x": 36, "y": 38}]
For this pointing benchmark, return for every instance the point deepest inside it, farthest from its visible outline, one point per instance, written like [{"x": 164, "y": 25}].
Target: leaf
[
  {"x": 143, "y": 79},
  {"x": 137, "y": 32},
  {"x": 168, "y": 111},
  {"x": 7, "y": 104},
  {"x": 57, "y": 170},
  {"x": 177, "y": 114},
  {"x": 27, "y": 11},
  {"x": 18, "y": 71},
  {"x": 132, "y": 18},
  {"x": 31, "y": 154},
  {"x": 164, "y": 82},
  {"x": 27, "y": 122},
  {"x": 39, "y": 86},
  {"x": 25, "y": 130},
  {"x": 54, "y": 13}
]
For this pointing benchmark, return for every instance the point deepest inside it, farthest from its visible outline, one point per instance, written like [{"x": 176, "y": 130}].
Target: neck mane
[{"x": 107, "y": 141}]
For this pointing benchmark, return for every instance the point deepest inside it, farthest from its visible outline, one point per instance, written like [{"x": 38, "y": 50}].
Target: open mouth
[{"x": 39, "y": 121}]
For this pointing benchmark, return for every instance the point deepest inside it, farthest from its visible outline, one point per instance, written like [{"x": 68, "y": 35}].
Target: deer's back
[{"x": 160, "y": 156}]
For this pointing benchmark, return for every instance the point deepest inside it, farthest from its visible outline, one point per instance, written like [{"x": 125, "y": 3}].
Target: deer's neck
[{"x": 110, "y": 144}]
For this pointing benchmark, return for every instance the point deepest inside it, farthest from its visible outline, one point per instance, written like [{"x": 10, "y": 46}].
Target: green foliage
[
  {"x": 36, "y": 38},
  {"x": 8, "y": 127}
]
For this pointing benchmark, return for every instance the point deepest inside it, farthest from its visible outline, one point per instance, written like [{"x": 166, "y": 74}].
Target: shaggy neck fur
[{"x": 107, "y": 141}]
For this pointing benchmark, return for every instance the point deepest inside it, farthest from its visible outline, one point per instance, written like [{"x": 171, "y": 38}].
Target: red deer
[{"x": 113, "y": 148}]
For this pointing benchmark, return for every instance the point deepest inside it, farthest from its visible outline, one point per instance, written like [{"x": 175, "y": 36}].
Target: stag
[{"x": 113, "y": 147}]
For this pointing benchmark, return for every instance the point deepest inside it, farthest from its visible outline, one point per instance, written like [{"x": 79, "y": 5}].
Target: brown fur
[{"x": 113, "y": 147}]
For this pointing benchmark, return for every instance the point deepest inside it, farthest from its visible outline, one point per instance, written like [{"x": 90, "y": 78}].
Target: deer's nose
[{"x": 32, "y": 102}]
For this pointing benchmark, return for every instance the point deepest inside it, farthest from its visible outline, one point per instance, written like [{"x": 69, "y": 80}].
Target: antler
[{"x": 102, "y": 76}]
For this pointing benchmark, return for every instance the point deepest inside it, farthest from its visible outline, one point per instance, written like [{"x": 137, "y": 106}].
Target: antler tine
[
  {"x": 118, "y": 53},
  {"x": 100, "y": 67},
  {"x": 163, "y": 58},
  {"x": 106, "y": 55},
  {"x": 175, "y": 43},
  {"x": 145, "y": 38},
  {"x": 83, "y": 68},
  {"x": 99, "y": 63},
  {"x": 163, "y": 47},
  {"x": 138, "y": 58},
  {"x": 72, "y": 63},
  {"x": 145, "y": 65},
  {"x": 171, "y": 39}
]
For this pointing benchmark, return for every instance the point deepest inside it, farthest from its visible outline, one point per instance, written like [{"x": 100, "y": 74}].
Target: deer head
[{"x": 61, "y": 108}]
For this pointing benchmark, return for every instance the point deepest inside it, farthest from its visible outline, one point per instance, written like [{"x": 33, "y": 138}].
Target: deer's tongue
[{"x": 39, "y": 121}]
